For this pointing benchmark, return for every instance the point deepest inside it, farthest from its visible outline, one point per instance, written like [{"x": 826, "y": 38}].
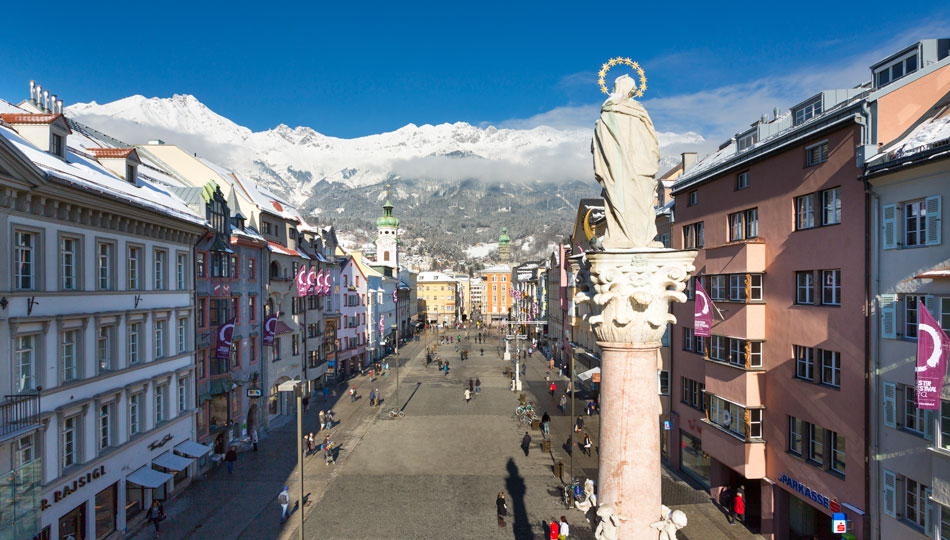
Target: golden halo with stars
[{"x": 618, "y": 62}]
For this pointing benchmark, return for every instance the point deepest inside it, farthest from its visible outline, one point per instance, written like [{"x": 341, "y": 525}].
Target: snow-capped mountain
[{"x": 293, "y": 161}]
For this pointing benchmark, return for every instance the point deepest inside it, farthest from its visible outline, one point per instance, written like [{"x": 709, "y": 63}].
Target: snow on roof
[
  {"x": 708, "y": 162},
  {"x": 433, "y": 276},
  {"x": 497, "y": 269},
  {"x": 86, "y": 174},
  {"x": 928, "y": 135},
  {"x": 7, "y": 107},
  {"x": 938, "y": 273}
]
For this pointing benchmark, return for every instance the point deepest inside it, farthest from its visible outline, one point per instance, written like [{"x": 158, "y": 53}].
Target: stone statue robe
[{"x": 626, "y": 159}]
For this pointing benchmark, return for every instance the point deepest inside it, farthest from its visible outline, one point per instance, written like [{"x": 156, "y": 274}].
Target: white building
[{"x": 97, "y": 319}]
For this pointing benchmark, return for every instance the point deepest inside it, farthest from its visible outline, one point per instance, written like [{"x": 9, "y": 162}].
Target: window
[
  {"x": 58, "y": 148},
  {"x": 693, "y": 394},
  {"x": 837, "y": 452},
  {"x": 25, "y": 363},
  {"x": 135, "y": 410},
  {"x": 234, "y": 267},
  {"x": 182, "y": 395},
  {"x": 295, "y": 344},
  {"x": 755, "y": 423},
  {"x": 805, "y": 287},
  {"x": 252, "y": 269},
  {"x": 742, "y": 180},
  {"x": 134, "y": 333},
  {"x": 745, "y": 142},
  {"x": 159, "y": 404},
  {"x": 182, "y": 335},
  {"x": 25, "y": 451},
  {"x": 200, "y": 264},
  {"x": 944, "y": 523},
  {"x": 743, "y": 225},
  {"x": 70, "y": 451},
  {"x": 737, "y": 287},
  {"x": 717, "y": 287},
  {"x": 816, "y": 444},
  {"x": 69, "y": 256},
  {"x": 831, "y": 287},
  {"x": 252, "y": 308},
  {"x": 135, "y": 265},
  {"x": 918, "y": 421},
  {"x": 915, "y": 223},
  {"x": 104, "y": 265},
  {"x": 805, "y": 212},
  {"x": 795, "y": 431},
  {"x": 693, "y": 236},
  {"x": 687, "y": 339},
  {"x": 252, "y": 350},
  {"x": 161, "y": 331},
  {"x": 831, "y": 368},
  {"x": 945, "y": 425},
  {"x": 180, "y": 266},
  {"x": 717, "y": 348},
  {"x": 892, "y": 72},
  {"x": 910, "y": 314},
  {"x": 105, "y": 426},
  {"x": 916, "y": 502},
  {"x": 663, "y": 379},
  {"x": 68, "y": 361},
  {"x": 25, "y": 260},
  {"x": 693, "y": 198},
  {"x": 161, "y": 260},
  {"x": 732, "y": 418},
  {"x": 816, "y": 153},
  {"x": 104, "y": 346},
  {"x": 808, "y": 111},
  {"x": 831, "y": 206},
  {"x": 804, "y": 362}
]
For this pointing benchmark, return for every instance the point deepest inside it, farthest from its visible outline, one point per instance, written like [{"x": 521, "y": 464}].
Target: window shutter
[
  {"x": 889, "y": 391},
  {"x": 889, "y": 226},
  {"x": 933, "y": 220},
  {"x": 932, "y": 303},
  {"x": 889, "y": 316},
  {"x": 890, "y": 493}
]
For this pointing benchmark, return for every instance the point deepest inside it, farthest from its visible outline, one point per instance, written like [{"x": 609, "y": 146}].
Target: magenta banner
[
  {"x": 381, "y": 327},
  {"x": 312, "y": 282},
  {"x": 932, "y": 349},
  {"x": 702, "y": 312},
  {"x": 270, "y": 327},
  {"x": 326, "y": 283},
  {"x": 301, "y": 279},
  {"x": 225, "y": 333}
]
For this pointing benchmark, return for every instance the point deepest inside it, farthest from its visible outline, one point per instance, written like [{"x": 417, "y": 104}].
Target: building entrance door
[{"x": 72, "y": 526}]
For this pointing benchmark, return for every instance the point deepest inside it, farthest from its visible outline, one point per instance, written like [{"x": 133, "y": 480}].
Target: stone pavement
[{"x": 432, "y": 474}]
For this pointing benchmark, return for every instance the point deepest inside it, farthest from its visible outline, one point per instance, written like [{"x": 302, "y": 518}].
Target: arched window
[{"x": 274, "y": 270}]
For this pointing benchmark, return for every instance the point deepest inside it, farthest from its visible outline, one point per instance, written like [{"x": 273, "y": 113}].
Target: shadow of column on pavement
[{"x": 514, "y": 483}]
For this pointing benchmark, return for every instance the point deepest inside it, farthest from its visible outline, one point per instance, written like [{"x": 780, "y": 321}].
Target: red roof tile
[
  {"x": 111, "y": 152},
  {"x": 22, "y": 118}
]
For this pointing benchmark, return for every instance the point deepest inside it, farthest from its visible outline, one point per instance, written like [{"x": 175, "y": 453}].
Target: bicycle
[
  {"x": 394, "y": 412},
  {"x": 569, "y": 492}
]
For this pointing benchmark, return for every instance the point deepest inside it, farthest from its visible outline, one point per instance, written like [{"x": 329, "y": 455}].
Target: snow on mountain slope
[{"x": 292, "y": 161}]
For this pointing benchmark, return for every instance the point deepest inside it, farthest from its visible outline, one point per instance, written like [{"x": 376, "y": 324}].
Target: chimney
[
  {"x": 33, "y": 92},
  {"x": 52, "y": 103},
  {"x": 688, "y": 160},
  {"x": 59, "y": 106},
  {"x": 46, "y": 100},
  {"x": 775, "y": 113},
  {"x": 39, "y": 97},
  {"x": 765, "y": 118}
]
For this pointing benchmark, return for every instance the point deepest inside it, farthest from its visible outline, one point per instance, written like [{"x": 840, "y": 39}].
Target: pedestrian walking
[
  {"x": 546, "y": 423},
  {"x": 478, "y": 385},
  {"x": 468, "y": 395},
  {"x": 328, "y": 451},
  {"x": 372, "y": 398},
  {"x": 587, "y": 444},
  {"x": 284, "y": 501},
  {"x": 471, "y": 385},
  {"x": 526, "y": 443},
  {"x": 563, "y": 403},
  {"x": 306, "y": 403},
  {"x": 524, "y": 369},
  {"x": 553, "y": 529},
  {"x": 326, "y": 392},
  {"x": 323, "y": 420},
  {"x": 502, "y": 505},
  {"x": 229, "y": 458},
  {"x": 329, "y": 419},
  {"x": 311, "y": 444},
  {"x": 156, "y": 514},
  {"x": 591, "y": 407},
  {"x": 553, "y": 388},
  {"x": 352, "y": 394},
  {"x": 564, "y": 530},
  {"x": 738, "y": 506},
  {"x": 579, "y": 425},
  {"x": 254, "y": 439}
]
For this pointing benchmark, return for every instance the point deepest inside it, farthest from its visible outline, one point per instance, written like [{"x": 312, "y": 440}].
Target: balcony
[
  {"x": 746, "y": 458},
  {"x": 19, "y": 414},
  {"x": 735, "y": 383},
  {"x": 740, "y": 320},
  {"x": 746, "y": 256}
]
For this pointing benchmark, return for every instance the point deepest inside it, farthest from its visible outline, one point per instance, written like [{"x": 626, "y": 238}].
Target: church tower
[
  {"x": 504, "y": 246},
  {"x": 386, "y": 237}
]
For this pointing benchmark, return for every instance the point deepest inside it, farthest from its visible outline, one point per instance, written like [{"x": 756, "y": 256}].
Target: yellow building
[{"x": 438, "y": 297}]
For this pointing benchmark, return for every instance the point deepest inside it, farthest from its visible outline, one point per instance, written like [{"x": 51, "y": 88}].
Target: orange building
[{"x": 496, "y": 295}]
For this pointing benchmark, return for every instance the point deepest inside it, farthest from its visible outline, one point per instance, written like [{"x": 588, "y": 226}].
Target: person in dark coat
[
  {"x": 156, "y": 513},
  {"x": 230, "y": 458},
  {"x": 471, "y": 385},
  {"x": 502, "y": 507},
  {"x": 546, "y": 423},
  {"x": 526, "y": 443}
]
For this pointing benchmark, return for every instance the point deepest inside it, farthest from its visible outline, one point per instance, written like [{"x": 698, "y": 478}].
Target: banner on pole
[
  {"x": 932, "y": 349},
  {"x": 702, "y": 312}
]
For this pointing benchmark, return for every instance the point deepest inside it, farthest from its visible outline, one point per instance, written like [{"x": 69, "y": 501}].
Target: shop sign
[
  {"x": 253, "y": 392},
  {"x": 69, "y": 489},
  {"x": 331, "y": 363},
  {"x": 839, "y": 524},
  {"x": 666, "y": 425},
  {"x": 160, "y": 443},
  {"x": 805, "y": 491},
  {"x": 595, "y": 378}
]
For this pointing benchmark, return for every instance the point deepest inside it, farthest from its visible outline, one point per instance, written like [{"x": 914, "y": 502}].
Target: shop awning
[
  {"x": 172, "y": 462},
  {"x": 192, "y": 449},
  {"x": 148, "y": 477},
  {"x": 588, "y": 374}
]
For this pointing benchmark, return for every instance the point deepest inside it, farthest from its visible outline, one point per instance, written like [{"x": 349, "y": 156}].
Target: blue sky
[{"x": 354, "y": 68}]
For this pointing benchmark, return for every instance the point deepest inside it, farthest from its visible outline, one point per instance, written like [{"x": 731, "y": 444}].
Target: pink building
[
  {"x": 775, "y": 401},
  {"x": 352, "y": 331}
]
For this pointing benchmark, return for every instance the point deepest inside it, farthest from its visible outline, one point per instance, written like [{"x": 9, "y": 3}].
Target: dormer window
[
  {"x": 131, "y": 173},
  {"x": 58, "y": 146},
  {"x": 808, "y": 111},
  {"x": 46, "y": 132},
  {"x": 122, "y": 162},
  {"x": 746, "y": 141},
  {"x": 896, "y": 69}
]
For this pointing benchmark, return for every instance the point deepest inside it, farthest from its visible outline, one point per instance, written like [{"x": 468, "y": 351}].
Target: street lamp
[{"x": 295, "y": 387}]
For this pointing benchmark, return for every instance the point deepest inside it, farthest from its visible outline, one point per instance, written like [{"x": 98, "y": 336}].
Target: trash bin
[
  {"x": 558, "y": 468},
  {"x": 536, "y": 425},
  {"x": 546, "y": 445}
]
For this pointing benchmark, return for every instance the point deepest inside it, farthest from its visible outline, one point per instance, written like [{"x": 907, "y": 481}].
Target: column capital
[{"x": 633, "y": 290}]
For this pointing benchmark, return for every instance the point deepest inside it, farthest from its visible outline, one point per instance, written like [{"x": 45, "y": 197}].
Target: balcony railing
[{"x": 19, "y": 413}]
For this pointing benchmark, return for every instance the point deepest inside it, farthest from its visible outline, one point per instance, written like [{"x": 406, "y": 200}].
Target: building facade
[
  {"x": 497, "y": 295},
  {"x": 438, "y": 298}
]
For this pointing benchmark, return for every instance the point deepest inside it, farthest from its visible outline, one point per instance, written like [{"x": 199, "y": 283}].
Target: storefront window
[
  {"x": 74, "y": 523},
  {"x": 695, "y": 462},
  {"x": 105, "y": 512},
  {"x": 134, "y": 500}
]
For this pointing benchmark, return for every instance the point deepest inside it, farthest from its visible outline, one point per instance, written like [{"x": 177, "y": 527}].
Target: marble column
[{"x": 629, "y": 294}]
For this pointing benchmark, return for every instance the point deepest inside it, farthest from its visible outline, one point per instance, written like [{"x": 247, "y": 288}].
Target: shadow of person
[{"x": 516, "y": 488}]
